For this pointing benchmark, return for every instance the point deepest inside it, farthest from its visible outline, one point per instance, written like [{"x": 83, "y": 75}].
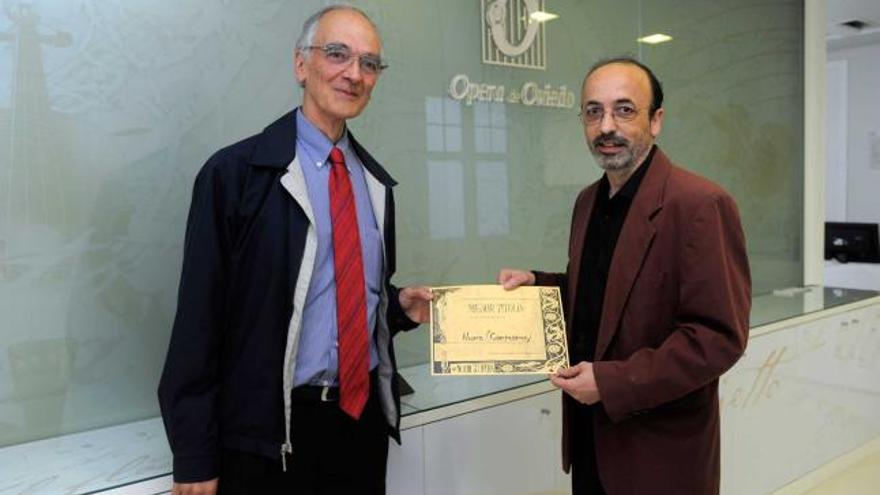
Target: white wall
[
  {"x": 863, "y": 130},
  {"x": 835, "y": 149}
]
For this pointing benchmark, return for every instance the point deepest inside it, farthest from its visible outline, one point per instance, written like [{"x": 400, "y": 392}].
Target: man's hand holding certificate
[{"x": 487, "y": 330}]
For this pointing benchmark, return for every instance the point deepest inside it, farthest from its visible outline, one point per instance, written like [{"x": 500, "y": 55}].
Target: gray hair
[{"x": 310, "y": 27}]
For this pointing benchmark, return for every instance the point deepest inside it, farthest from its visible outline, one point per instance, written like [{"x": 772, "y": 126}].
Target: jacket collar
[
  {"x": 276, "y": 147},
  {"x": 649, "y": 197},
  {"x": 632, "y": 246}
]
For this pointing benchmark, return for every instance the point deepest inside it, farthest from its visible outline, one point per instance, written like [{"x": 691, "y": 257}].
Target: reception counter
[{"x": 805, "y": 393}]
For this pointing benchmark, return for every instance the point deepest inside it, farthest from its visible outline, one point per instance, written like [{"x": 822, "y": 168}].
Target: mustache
[{"x": 610, "y": 139}]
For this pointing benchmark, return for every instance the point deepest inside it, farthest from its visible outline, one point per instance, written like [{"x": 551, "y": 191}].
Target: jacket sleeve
[
  {"x": 189, "y": 382},
  {"x": 710, "y": 326},
  {"x": 397, "y": 318},
  {"x": 553, "y": 280}
]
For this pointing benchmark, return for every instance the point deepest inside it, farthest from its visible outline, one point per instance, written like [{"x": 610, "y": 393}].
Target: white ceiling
[{"x": 839, "y": 11}]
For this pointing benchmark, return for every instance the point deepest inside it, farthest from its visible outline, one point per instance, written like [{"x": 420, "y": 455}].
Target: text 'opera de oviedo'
[{"x": 529, "y": 94}]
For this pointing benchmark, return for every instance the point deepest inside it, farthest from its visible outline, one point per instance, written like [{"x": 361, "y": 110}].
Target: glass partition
[
  {"x": 486, "y": 184},
  {"x": 108, "y": 109}
]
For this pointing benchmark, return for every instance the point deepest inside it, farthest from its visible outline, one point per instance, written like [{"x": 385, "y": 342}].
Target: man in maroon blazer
[{"x": 657, "y": 295}]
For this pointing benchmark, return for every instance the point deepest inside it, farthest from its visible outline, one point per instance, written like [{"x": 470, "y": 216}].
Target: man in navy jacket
[{"x": 249, "y": 393}]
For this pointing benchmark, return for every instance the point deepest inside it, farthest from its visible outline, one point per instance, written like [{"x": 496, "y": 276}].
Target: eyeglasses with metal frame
[
  {"x": 341, "y": 54},
  {"x": 593, "y": 113}
]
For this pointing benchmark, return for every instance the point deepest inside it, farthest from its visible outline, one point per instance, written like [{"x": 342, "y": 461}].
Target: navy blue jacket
[{"x": 246, "y": 263}]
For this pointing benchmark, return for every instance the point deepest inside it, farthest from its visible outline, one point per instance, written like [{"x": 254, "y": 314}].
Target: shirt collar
[{"x": 316, "y": 145}]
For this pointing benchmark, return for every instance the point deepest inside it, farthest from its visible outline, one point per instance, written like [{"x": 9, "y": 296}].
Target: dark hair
[{"x": 656, "y": 87}]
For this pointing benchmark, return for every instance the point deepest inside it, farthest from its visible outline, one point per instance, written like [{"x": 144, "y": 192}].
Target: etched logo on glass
[{"x": 510, "y": 36}]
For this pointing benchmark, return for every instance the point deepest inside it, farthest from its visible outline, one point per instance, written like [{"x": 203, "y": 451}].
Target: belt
[{"x": 310, "y": 394}]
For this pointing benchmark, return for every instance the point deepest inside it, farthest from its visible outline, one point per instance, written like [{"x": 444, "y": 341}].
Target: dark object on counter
[{"x": 847, "y": 241}]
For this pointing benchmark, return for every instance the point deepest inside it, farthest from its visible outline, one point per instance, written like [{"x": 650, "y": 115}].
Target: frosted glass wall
[{"x": 109, "y": 108}]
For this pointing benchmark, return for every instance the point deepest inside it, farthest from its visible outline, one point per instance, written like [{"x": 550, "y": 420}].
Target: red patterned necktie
[{"x": 351, "y": 305}]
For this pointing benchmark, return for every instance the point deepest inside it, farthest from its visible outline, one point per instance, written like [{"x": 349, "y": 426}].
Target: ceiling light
[
  {"x": 653, "y": 39},
  {"x": 541, "y": 16}
]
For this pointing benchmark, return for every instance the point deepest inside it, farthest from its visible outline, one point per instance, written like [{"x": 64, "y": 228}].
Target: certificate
[{"x": 487, "y": 330}]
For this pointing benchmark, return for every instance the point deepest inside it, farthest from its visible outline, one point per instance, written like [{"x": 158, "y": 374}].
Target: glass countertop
[{"x": 793, "y": 302}]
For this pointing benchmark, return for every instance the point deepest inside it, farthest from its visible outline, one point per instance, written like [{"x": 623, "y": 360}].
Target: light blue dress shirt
[{"x": 317, "y": 359}]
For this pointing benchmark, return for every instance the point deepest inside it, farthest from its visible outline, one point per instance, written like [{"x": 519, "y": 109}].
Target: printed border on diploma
[{"x": 486, "y": 330}]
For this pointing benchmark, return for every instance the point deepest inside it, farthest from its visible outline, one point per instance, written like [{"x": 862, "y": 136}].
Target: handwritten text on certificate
[{"x": 487, "y": 330}]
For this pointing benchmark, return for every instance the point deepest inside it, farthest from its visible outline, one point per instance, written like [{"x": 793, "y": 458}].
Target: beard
[{"x": 621, "y": 160}]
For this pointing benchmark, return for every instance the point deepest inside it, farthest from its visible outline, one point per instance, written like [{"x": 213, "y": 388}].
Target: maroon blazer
[{"x": 675, "y": 317}]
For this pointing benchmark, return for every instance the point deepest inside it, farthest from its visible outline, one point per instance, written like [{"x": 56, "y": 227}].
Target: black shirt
[{"x": 606, "y": 221}]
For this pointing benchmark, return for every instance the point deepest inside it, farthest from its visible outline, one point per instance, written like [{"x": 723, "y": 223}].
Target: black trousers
[
  {"x": 584, "y": 470},
  {"x": 332, "y": 454}
]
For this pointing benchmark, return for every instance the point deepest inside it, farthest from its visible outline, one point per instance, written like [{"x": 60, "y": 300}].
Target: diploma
[{"x": 487, "y": 330}]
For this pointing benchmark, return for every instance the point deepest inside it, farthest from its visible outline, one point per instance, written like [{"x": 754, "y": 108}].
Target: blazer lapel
[{"x": 631, "y": 248}]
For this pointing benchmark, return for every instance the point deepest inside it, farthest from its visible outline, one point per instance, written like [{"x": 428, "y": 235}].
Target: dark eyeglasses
[
  {"x": 341, "y": 54},
  {"x": 621, "y": 112}
]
